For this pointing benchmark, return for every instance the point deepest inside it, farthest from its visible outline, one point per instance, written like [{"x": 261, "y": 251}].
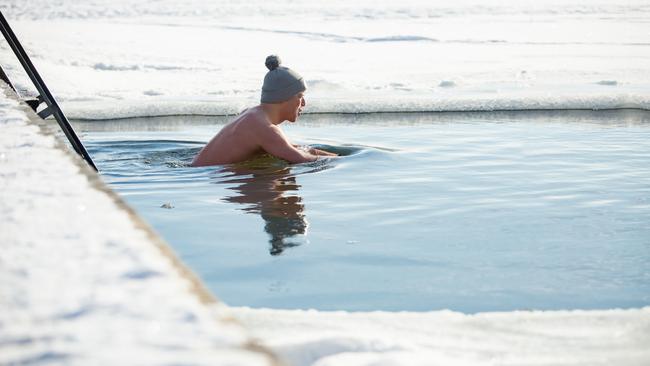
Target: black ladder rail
[
  {"x": 5, "y": 78},
  {"x": 32, "y": 102},
  {"x": 52, "y": 107}
]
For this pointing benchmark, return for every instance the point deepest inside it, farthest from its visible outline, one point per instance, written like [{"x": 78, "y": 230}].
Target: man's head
[{"x": 283, "y": 86}]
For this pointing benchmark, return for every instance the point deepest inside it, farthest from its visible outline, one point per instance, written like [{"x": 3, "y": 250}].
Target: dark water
[{"x": 471, "y": 212}]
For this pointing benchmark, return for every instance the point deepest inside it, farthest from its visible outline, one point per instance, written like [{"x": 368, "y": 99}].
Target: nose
[{"x": 302, "y": 102}]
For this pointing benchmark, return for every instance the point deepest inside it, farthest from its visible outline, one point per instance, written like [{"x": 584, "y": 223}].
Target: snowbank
[
  {"x": 82, "y": 280},
  {"x": 113, "y": 59},
  {"x": 609, "y": 337}
]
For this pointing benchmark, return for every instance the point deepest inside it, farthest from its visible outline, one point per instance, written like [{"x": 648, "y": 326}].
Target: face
[{"x": 294, "y": 106}]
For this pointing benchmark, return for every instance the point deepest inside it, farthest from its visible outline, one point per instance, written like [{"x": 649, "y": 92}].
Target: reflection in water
[{"x": 270, "y": 190}]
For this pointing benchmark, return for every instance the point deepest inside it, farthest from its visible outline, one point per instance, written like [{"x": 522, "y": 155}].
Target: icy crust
[
  {"x": 411, "y": 9},
  {"x": 379, "y": 103},
  {"x": 114, "y": 59},
  {"x": 589, "y": 338},
  {"x": 80, "y": 283}
]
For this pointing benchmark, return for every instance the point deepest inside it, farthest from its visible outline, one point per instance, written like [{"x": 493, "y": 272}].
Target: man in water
[{"x": 256, "y": 130}]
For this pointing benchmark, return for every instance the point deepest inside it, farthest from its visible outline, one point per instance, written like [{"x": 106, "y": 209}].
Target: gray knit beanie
[{"x": 280, "y": 83}]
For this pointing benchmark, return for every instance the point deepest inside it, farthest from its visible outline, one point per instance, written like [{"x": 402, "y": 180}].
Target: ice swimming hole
[{"x": 463, "y": 211}]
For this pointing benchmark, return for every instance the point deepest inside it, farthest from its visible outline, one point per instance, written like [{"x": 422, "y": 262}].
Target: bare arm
[{"x": 273, "y": 141}]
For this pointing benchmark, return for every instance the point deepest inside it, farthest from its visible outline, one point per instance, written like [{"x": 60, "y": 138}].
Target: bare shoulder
[
  {"x": 256, "y": 121},
  {"x": 252, "y": 118}
]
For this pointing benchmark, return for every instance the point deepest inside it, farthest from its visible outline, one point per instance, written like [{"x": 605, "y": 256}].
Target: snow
[
  {"x": 607, "y": 337},
  {"x": 80, "y": 282},
  {"x": 110, "y": 59}
]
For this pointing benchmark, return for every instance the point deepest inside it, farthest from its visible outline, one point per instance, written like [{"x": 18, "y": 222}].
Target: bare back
[
  {"x": 250, "y": 134},
  {"x": 235, "y": 142}
]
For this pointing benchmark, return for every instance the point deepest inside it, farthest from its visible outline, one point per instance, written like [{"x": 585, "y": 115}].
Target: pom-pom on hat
[{"x": 280, "y": 83}]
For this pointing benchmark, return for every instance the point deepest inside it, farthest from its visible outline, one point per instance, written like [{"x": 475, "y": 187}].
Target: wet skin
[{"x": 256, "y": 131}]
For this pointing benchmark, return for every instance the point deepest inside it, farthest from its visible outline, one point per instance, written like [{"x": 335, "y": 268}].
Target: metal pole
[
  {"x": 5, "y": 78},
  {"x": 45, "y": 95}
]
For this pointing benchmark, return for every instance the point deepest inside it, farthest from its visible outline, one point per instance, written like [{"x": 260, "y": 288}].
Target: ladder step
[
  {"x": 45, "y": 113},
  {"x": 33, "y": 103}
]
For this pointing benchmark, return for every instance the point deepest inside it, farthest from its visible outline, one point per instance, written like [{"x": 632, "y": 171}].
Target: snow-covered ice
[
  {"x": 110, "y": 59},
  {"x": 606, "y": 337}
]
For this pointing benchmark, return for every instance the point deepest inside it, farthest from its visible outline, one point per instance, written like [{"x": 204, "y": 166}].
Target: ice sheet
[
  {"x": 611, "y": 337},
  {"x": 112, "y": 59}
]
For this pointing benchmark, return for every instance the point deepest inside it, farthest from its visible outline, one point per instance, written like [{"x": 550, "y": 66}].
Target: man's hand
[{"x": 321, "y": 152}]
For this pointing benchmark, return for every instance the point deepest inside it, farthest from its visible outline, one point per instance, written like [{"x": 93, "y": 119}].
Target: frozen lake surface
[
  {"x": 110, "y": 59},
  {"x": 470, "y": 212}
]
